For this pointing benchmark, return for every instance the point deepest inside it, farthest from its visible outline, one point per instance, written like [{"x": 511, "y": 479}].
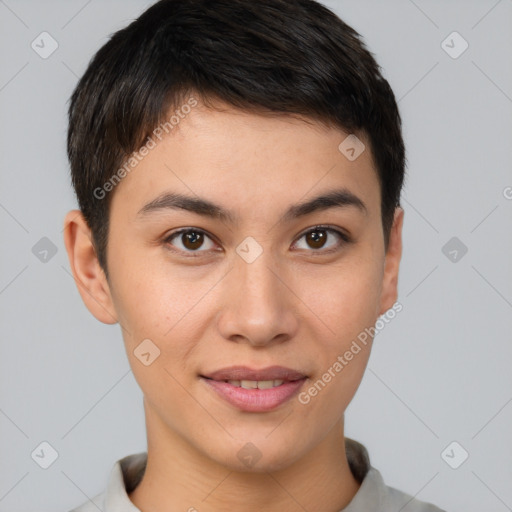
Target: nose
[{"x": 259, "y": 306}]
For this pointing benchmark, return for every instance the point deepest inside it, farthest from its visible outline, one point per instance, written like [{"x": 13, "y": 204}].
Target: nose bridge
[
  {"x": 253, "y": 264},
  {"x": 258, "y": 286},
  {"x": 258, "y": 306},
  {"x": 257, "y": 280}
]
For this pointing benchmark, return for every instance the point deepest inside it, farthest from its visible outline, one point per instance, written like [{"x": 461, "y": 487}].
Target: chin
[{"x": 259, "y": 455}]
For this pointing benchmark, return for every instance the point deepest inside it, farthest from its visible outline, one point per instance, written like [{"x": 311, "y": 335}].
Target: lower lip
[{"x": 255, "y": 400}]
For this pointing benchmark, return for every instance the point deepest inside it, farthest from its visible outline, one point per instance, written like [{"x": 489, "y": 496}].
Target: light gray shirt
[{"x": 372, "y": 496}]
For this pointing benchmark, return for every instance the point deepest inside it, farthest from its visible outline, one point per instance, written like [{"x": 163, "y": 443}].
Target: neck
[{"x": 178, "y": 477}]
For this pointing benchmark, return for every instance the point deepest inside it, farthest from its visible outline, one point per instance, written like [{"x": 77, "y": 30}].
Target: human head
[
  {"x": 255, "y": 158},
  {"x": 270, "y": 57}
]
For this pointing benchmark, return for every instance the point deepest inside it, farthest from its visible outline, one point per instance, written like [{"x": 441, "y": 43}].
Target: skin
[{"x": 296, "y": 306}]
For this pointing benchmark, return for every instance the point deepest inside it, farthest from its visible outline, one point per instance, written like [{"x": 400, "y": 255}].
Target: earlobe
[
  {"x": 389, "y": 293},
  {"x": 87, "y": 272}
]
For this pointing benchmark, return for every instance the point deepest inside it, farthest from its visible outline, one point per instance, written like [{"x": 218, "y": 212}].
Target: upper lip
[{"x": 246, "y": 373}]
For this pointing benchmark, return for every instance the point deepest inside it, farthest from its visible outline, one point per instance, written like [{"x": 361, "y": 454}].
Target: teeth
[
  {"x": 265, "y": 384},
  {"x": 249, "y": 384},
  {"x": 256, "y": 384}
]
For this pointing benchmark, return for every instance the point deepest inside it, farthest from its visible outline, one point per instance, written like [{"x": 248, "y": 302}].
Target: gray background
[{"x": 440, "y": 371}]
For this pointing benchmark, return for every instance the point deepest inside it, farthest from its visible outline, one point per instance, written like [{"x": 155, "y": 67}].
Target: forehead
[{"x": 246, "y": 159}]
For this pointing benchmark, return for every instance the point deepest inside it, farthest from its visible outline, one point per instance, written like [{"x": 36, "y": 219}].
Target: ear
[
  {"x": 87, "y": 272},
  {"x": 389, "y": 292}
]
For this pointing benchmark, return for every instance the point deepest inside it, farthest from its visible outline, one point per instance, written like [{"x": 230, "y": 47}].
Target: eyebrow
[{"x": 340, "y": 198}]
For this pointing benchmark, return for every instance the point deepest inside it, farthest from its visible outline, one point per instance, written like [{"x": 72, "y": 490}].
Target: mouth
[
  {"x": 252, "y": 390},
  {"x": 244, "y": 373},
  {"x": 255, "y": 384}
]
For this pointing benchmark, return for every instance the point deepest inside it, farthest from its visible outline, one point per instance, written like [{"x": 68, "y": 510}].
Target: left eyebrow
[{"x": 340, "y": 198}]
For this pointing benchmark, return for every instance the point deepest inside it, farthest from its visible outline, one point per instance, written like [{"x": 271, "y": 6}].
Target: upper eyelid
[
  {"x": 338, "y": 231},
  {"x": 186, "y": 230}
]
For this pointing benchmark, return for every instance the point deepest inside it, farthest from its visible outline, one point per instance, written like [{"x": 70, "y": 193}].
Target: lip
[
  {"x": 246, "y": 373},
  {"x": 255, "y": 400}
]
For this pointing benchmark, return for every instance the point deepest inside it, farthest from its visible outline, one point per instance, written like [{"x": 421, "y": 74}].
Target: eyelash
[{"x": 194, "y": 254}]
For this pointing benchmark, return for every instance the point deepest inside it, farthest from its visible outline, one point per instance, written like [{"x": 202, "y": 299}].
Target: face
[{"x": 269, "y": 292}]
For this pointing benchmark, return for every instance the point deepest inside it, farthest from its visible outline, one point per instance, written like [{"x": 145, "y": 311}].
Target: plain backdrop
[{"x": 440, "y": 371}]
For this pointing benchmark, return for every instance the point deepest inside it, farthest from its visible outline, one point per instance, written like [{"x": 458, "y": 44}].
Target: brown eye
[
  {"x": 190, "y": 240},
  {"x": 317, "y": 238},
  {"x": 323, "y": 238}
]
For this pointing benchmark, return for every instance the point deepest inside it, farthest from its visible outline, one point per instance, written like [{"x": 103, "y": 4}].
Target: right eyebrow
[{"x": 174, "y": 201}]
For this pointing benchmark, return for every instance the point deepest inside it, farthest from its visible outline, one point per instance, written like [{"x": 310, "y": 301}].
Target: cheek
[
  {"x": 164, "y": 312},
  {"x": 152, "y": 301},
  {"x": 344, "y": 298},
  {"x": 346, "y": 305},
  {"x": 169, "y": 308},
  {"x": 349, "y": 310},
  {"x": 326, "y": 398}
]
